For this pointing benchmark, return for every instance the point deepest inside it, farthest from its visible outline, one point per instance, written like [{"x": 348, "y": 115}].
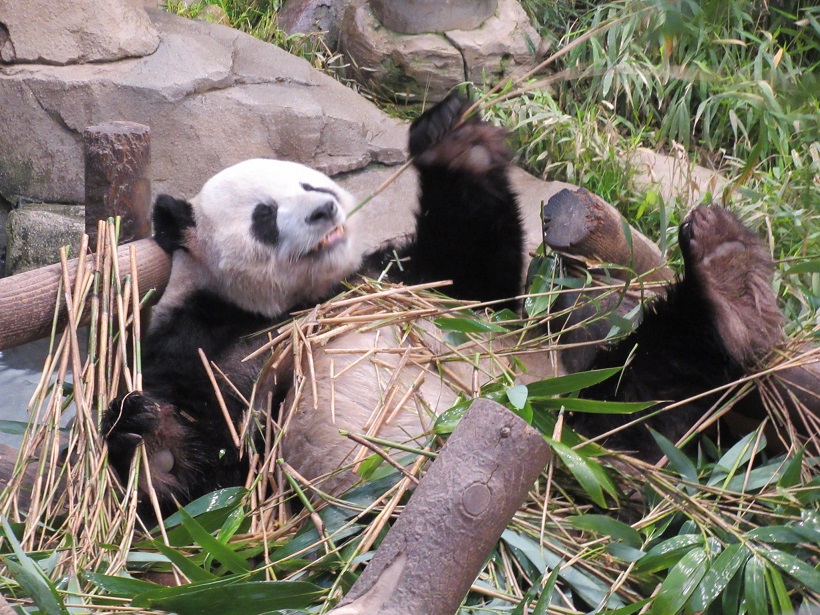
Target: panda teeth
[{"x": 334, "y": 235}]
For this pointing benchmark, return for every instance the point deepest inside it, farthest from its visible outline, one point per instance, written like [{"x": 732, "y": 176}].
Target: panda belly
[{"x": 387, "y": 384}]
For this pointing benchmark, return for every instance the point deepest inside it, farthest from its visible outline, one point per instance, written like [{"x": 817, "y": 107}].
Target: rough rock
[
  {"x": 504, "y": 42},
  {"x": 306, "y": 16},
  {"x": 425, "y": 67},
  {"x": 419, "y": 67},
  {"x": 36, "y": 232},
  {"x": 419, "y": 16},
  {"x": 212, "y": 96},
  {"x": 68, "y": 32},
  {"x": 675, "y": 177}
]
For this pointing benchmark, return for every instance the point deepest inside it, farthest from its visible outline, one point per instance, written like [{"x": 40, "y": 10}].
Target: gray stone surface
[
  {"x": 504, "y": 42},
  {"x": 425, "y": 67},
  {"x": 36, "y": 232},
  {"x": 306, "y": 16},
  {"x": 675, "y": 177},
  {"x": 68, "y": 32},
  {"x": 419, "y": 16},
  {"x": 391, "y": 214},
  {"x": 212, "y": 96}
]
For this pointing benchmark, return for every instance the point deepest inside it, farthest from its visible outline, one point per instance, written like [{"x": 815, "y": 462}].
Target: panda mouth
[{"x": 334, "y": 237}]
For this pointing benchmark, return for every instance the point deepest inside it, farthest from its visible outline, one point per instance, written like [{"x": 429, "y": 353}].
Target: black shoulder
[{"x": 171, "y": 217}]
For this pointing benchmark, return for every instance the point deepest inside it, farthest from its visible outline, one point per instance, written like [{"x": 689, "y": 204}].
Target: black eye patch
[
  {"x": 309, "y": 188},
  {"x": 263, "y": 223}
]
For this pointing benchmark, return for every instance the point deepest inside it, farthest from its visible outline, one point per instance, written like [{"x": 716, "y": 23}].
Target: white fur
[{"x": 257, "y": 276}]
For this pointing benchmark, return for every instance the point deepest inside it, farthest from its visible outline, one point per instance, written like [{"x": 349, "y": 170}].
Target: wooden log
[
  {"x": 27, "y": 299},
  {"x": 583, "y": 225},
  {"x": 117, "y": 178},
  {"x": 439, "y": 544}
]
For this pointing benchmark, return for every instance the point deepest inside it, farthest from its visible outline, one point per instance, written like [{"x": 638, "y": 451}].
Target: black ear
[{"x": 171, "y": 218}]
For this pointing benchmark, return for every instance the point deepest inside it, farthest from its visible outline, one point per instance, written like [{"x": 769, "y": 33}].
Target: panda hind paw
[{"x": 733, "y": 269}]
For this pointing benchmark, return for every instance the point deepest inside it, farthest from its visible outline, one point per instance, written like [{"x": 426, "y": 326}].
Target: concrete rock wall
[{"x": 212, "y": 96}]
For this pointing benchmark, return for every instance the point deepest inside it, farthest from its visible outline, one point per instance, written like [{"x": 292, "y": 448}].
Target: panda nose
[{"x": 326, "y": 211}]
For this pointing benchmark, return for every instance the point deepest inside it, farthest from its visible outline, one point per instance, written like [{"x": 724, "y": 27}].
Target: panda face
[{"x": 273, "y": 234}]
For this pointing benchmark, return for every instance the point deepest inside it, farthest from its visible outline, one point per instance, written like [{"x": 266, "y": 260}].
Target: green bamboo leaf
[
  {"x": 231, "y": 525},
  {"x": 668, "y": 552},
  {"x": 776, "y": 587},
  {"x": 231, "y": 598},
  {"x": 607, "y": 526},
  {"x": 735, "y": 458},
  {"x": 628, "y": 610},
  {"x": 517, "y": 396},
  {"x": 215, "y": 548},
  {"x": 718, "y": 577},
  {"x": 590, "y": 406},
  {"x": 122, "y": 587},
  {"x": 467, "y": 325},
  {"x": 228, "y": 498},
  {"x": 31, "y": 577},
  {"x": 587, "y": 586},
  {"x": 779, "y": 534},
  {"x": 677, "y": 459},
  {"x": 812, "y": 266},
  {"x": 181, "y": 561},
  {"x": 754, "y": 586},
  {"x": 15, "y": 428},
  {"x": 589, "y": 473},
  {"x": 803, "y": 572},
  {"x": 546, "y": 594},
  {"x": 791, "y": 475},
  {"x": 681, "y": 582},
  {"x": 539, "y": 297},
  {"x": 571, "y": 383}
]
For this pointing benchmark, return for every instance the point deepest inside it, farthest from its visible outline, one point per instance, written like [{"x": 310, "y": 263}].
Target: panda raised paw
[
  {"x": 128, "y": 420},
  {"x": 733, "y": 270},
  {"x": 441, "y": 138}
]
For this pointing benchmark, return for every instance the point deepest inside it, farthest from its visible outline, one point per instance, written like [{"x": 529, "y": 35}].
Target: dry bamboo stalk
[{"x": 221, "y": 401}]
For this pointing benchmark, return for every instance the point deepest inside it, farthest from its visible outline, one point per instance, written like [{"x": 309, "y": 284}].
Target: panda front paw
[
  {"x": 128, "y": 421},
  {"x": 733, "y": 270},
  {"x": 441, "y": 138}
]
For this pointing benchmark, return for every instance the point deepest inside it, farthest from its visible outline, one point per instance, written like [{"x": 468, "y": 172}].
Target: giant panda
[{"x": 265, "y": 238}]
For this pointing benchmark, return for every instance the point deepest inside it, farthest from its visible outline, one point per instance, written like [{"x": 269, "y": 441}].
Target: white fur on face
[{"x": 271, "y": 277}]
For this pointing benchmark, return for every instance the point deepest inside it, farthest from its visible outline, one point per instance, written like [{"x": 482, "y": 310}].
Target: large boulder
[
  {"x": 211, "y": 95},
  {"x": 37, "y": 232},
  {"x": 424, "y": 67},
  {"x": 313, "y": 16},
  {"x": 70, "y": 32}
]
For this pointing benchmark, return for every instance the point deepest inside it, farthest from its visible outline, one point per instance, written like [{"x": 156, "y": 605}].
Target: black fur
[
  {"x": 263, "y": 225},
  {"x": 468, "y": 228},
  {"x": 172, "y": 217},
  {"x": 176, "y": 383}
]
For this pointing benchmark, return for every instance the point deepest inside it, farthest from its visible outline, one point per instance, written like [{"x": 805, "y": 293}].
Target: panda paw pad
[
  {"x": 733, "y": 269},
  {"x": 439, "y": 138},
  {"x": 712, "y": 238}
]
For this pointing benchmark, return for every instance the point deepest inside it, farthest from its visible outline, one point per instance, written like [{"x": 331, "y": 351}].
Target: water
[{"x": 20, "y": 370}]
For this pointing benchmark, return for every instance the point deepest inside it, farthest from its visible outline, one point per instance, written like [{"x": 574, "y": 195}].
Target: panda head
[{"x": 263, "y": 234}]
